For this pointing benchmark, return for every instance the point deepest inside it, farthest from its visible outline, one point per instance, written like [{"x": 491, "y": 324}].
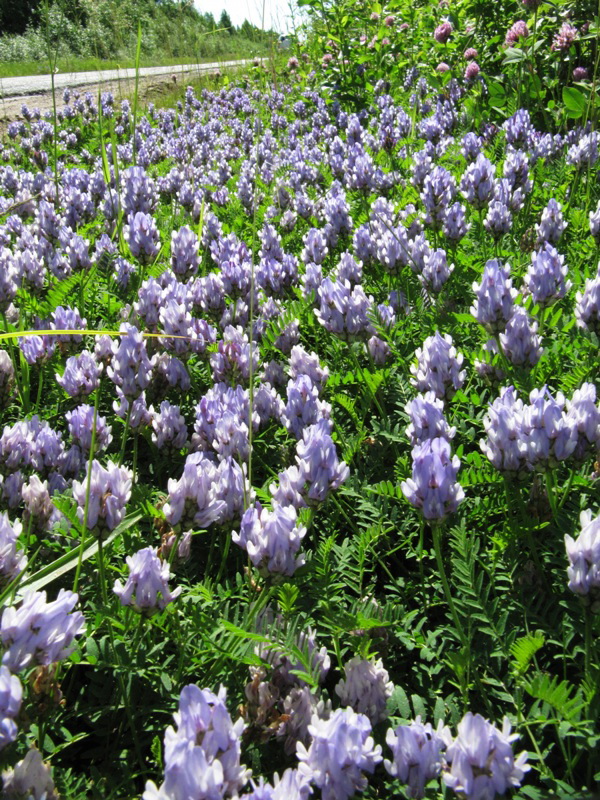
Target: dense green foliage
[{"x": 107, "y": 29}]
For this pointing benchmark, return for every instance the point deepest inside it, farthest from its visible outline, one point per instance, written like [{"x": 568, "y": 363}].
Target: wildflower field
[{"x": 300, "y": 443}]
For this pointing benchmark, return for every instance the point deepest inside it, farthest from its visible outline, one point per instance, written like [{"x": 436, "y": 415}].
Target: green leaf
[
  {"x": 514, "y": 55},
  {"x": 398, "y": 703},
  {"x": 575, "y": 101},
  {"x": 524, "y": 649}
]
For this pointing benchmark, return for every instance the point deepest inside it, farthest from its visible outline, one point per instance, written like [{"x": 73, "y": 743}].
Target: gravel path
[{"x": 35, "y": 91}]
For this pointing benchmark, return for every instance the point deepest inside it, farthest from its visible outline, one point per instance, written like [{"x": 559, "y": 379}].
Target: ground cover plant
[{"x": 300, "y": 435}]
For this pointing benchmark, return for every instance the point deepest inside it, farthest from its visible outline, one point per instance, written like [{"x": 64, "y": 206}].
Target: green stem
[
  {"x": 84, "y": 539},
  {"x": 125, "y": 432},
  {"x": 437, "y": 545}
]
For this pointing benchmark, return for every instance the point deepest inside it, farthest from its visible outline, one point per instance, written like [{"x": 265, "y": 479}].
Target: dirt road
[{"x": 36, "y": 90}]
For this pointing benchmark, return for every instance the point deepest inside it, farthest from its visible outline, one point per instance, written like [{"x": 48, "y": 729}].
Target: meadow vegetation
[{"x": 300, "y": 442}]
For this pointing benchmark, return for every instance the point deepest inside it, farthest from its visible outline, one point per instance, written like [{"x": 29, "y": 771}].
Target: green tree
[{"x": 225, "y": 22}]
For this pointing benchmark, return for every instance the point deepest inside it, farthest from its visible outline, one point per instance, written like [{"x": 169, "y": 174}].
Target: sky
[{"x": 276, "y": 12}]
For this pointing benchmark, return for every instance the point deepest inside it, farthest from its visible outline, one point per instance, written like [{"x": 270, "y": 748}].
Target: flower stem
[{"x": 437, "y": 534}]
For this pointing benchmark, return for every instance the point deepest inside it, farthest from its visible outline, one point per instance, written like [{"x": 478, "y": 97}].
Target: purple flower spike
[
  {"x": 130, "y": 368},
  {"x": 587, "y": 307},
  {"x": 202, "y": 754},
  {"x": 433, "y": 487},
  {"x": 81, "y": 376},
  {"x": 417, "y": 754},
  {"x": 552, "y": 224},
  {"x": 520, "y": 343},
  {"x": 184, "y": 253},
  {"x": 147, "y": 587},
  {"x": 427, "y": 419},
  {"x": 12, "y": 561},
  {"x": 142, "y": 236},
  {"x": 545, "y": 278},
  {"x": 194, "y": 500},
  {"x": 271, "y": 538},
  {"x": 477, "y": 183},
  {"x": 494, "y": 297},
  {"x": 366, "y": 688},
  {"x": 505, "y": 446},
  {"x": 11, "y": 693},
  {"x": 340, "y": 751},
  {"x": 110, "y": 490},
  {"x": 438, "y": 367},
  {"x": 481, "y": 759},
  {"x": 584, "y": 560},
  {"x": 39, "y": 632}
]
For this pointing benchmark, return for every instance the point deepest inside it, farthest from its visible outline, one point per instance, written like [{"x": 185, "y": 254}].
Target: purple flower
[
  {"x": 580, "y": 74},
  {"x": 231, "y": 362},
  {"x": 433, "y": 487},
  {"x": 31, "y": 778},
  {"x": 81, "y": 422},
  {"x": 201, "y": 755},
  {"x": 518, "y": 31},
  {"x": 147, "y": 586},
  {"x": 142, "y": 236},
  {"x": 436, "y": 271},
  {"x": 545, "y": 278},
  {"x": 304, "y": 363},
  {"x": 319, "y": 471},
  {"x": 505, "y": 445},
  {"x": 595, "y": 223},
  {"x": 366, "y": 688},
  {"x": 477, "y": 182},
  {"x": 520, "y": 342},
  {"x": 438, "y": 367},
  {"x": 303, "y": 406},
  {"x": 222, "y": 419},
  {"x": 168, "y": 427},
  {"x": 81, "y": 376},
  {"x": 455, "y": 223},
  {"x": 584, "y": 415},
  {"x": 417, "y": 754},
  {"x": 271, "y": 538},
  {"x": 12, "y": 561},
  {"x": 343, "y": 311},
  {"x": 110, "y": 490},
  {"x": 184, "y": 253},
  {"x": 498, "y": 220},
  {"x": 443, "y": 32},
  {"x": 427, "y": 420},
  {"x": 7, "y": 379},
  {"x": 565, "y": 37},
  {"x": 472, "y": 71},
  {"x": 291, "y": 786},
  {"x": 130, "y": 366},
  {"x": 550, "y": 435},
  {"x": 193, "y": 500},
  {"x": 584, "y": 559},
  {"x": 439, "y": 189},
  {"x": 11, "y": 693},
  {"x": 494, "y": 297},
  {"x": 552, "y": 224},
  {"x": 481, "y": 760},
  {"x": 340, "y": 751},
  {"x": 587, "y": 307},
  {"x": 40, "y": 632}
]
